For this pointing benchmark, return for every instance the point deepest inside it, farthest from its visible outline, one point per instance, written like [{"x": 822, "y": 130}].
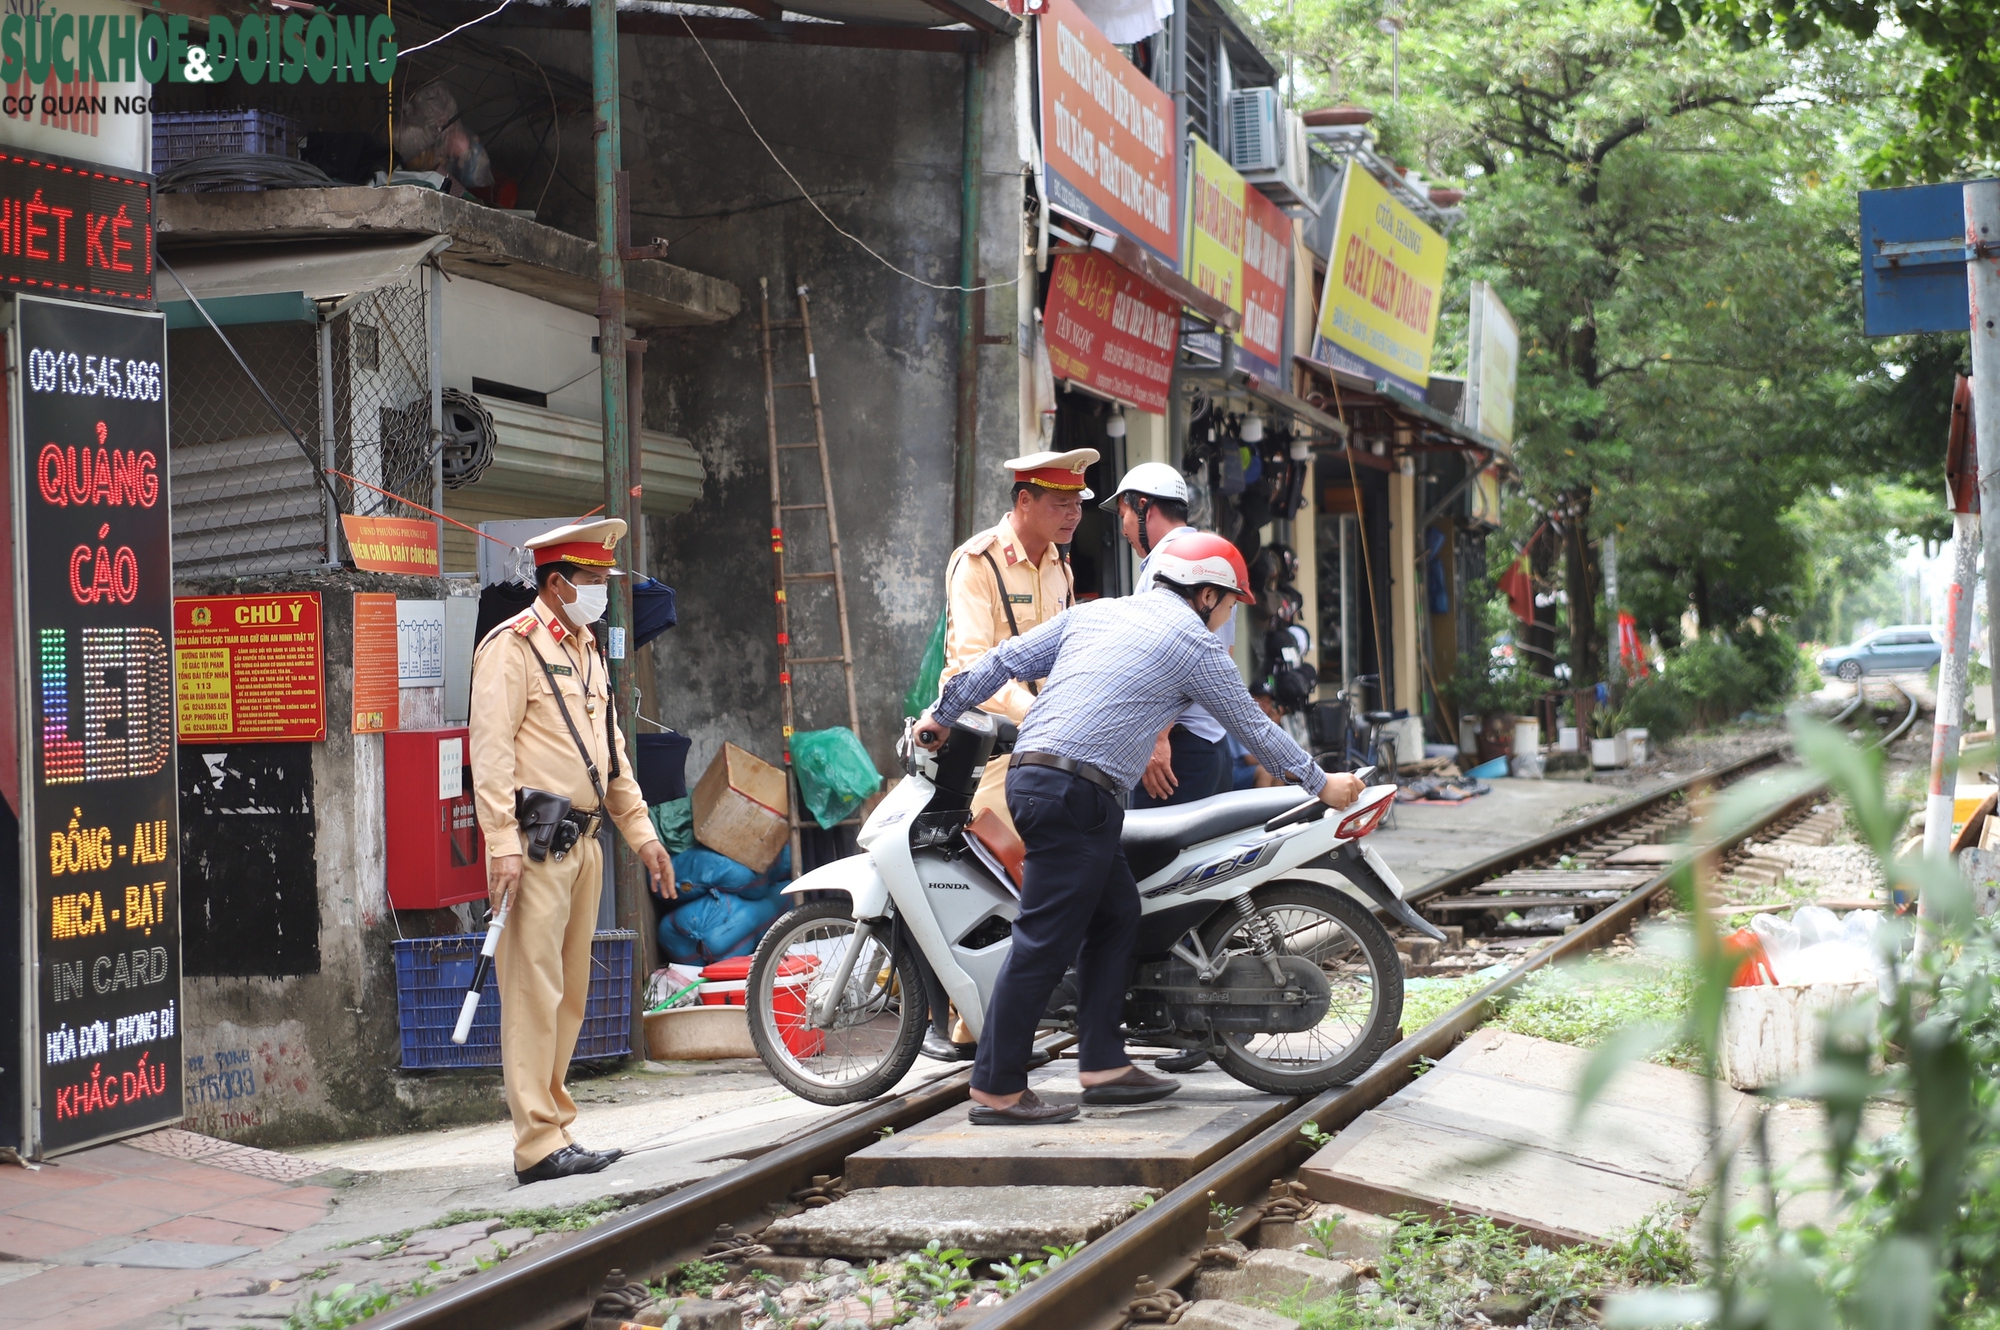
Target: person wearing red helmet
[
  {"x": 1190, "y": 759},
  {"x": 1118, "y": 672}
]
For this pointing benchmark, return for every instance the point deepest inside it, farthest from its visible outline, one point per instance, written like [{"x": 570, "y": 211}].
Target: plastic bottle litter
[{"x": 1817, "y": 946}]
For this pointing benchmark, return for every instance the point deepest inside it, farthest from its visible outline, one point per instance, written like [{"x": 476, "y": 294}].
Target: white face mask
[{"x": 588, "y": 607}]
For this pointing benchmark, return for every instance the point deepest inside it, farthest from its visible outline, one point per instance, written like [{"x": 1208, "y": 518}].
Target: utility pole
[
  {"x": 1982, "y": 275},
  {"x": 630, "y": 912}
]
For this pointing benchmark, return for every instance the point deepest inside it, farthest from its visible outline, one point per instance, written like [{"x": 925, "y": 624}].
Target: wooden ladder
[{"x": 784, "y": 579}]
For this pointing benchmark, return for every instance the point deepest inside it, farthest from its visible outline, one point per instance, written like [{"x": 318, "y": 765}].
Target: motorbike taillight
[{"x": 1364, "y": 820}]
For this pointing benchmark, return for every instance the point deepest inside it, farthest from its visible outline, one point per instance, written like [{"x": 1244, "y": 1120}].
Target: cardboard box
[{"x": 740, "y": 806}]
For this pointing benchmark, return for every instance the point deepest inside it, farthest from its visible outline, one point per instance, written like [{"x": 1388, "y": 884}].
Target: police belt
[
  {"x": 552, "y": 827},
  {"x": 1095, "y": 775}
]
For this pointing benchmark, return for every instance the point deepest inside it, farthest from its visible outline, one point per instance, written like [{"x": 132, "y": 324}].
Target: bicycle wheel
[
  {"x": 877, "y": 1027},
  {"x": 1338, "y": 934}
]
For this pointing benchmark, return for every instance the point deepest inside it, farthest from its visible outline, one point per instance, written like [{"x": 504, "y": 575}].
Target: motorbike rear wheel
[
  {"x": 1339, "y": 934},
  {"x": 877, "y": 1027}
]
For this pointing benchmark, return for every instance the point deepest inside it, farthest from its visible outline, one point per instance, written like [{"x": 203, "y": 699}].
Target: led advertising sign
[
  {"x": 75, "y": 230},
  {"x": 101, "y": 859}
]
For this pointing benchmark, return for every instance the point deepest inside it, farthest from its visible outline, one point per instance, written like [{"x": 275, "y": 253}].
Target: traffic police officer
[
  {"x": 533, "y": 678},
  {"x": 1012, "y": 577},
  {"x": 1007, "y": 579}
]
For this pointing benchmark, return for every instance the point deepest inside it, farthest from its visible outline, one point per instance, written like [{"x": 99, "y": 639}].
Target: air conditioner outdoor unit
[
  {"x": 1268, "y": 144},
  {"x": 1257, "y": 138}
]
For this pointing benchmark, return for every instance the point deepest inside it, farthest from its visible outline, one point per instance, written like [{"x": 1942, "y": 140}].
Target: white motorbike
[{"x": 1256, "y": 942}]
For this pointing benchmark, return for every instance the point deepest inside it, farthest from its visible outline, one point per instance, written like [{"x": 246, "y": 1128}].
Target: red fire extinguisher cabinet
[{"x": 436, "y": 854}]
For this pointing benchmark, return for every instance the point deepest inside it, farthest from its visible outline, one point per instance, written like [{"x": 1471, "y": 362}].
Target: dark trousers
[
  {"x": 1079, "y": 906},
  {"x": 1199, "y": 766}
]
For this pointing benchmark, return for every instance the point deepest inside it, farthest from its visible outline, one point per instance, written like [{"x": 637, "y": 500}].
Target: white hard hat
[{"x": 1154, "y": 479}]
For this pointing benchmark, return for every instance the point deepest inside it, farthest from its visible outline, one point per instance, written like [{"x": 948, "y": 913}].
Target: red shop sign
[{"x": 1110, "y": 329}]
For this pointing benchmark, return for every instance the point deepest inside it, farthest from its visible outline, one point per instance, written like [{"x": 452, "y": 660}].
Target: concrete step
[
  {"x": 1161, "y": 1144},
  {"x": 987, "y": 1223}
]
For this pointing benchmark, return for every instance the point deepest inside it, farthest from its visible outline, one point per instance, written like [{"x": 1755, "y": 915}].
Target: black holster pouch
[{"x": 542, "y": 815}]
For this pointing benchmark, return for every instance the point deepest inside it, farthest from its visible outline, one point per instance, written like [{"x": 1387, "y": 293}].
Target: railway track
[{"x": 554, "y": 1287}]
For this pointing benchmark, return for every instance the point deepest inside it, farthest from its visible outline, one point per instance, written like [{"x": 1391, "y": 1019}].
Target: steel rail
[
  {"x": 553, "y": 1288},
  {"x": 1163, "y": 1242}
]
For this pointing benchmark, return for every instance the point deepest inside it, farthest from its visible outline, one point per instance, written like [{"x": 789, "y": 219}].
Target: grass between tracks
[
  {"x": 1583, "y": 1004},
  {"x": 1473, "y": 1271}
]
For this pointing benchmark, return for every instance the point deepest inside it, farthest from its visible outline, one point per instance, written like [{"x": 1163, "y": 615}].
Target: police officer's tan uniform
[
  {"x": 988, "y": 577},
  {"x": 519, "y": 738}
]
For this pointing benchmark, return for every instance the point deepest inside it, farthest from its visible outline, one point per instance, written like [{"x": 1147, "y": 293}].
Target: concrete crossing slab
[
  {"x": 1153, "y": 1145},
  {"x": 1488, "y": 1131}
]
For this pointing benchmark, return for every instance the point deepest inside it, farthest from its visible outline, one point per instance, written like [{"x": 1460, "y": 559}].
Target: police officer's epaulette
[
  {"x": 985, "y": 540},
  {"x": 521, "y": 625}
]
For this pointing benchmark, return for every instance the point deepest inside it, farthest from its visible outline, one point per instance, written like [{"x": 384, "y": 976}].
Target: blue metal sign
[{"x": 1913, "y": 260}]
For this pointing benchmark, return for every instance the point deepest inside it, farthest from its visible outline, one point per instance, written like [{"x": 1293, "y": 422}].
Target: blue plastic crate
[
  {"x": 184, "y": 136},
  {"x": 431, "y": 977}
]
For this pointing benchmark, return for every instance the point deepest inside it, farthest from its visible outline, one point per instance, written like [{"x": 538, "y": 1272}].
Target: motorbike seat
[{"x": 1153, "y": 836}]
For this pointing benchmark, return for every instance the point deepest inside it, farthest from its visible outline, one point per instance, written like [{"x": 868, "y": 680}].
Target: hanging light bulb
[{"x": 1114, "y": 428}]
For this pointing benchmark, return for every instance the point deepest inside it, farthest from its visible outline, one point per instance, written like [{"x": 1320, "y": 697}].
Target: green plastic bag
[
  {"x": 924, "y": 690},
  {"x": 835, "y": 773},
  {"x": 674, "y": 821}
]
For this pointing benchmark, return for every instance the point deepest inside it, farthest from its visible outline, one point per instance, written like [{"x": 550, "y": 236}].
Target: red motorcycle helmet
[{"x": 1202, "y": 558}]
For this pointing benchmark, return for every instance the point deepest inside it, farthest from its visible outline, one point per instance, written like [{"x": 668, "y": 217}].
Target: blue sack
[{"x": 716, "y": 927}]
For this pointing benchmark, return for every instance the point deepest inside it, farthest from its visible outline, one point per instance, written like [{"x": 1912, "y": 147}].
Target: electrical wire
[
  {"x": 472, "y": 23},
  {"x": 807, "y": 194},
  {"x": 265, "y": 170}
]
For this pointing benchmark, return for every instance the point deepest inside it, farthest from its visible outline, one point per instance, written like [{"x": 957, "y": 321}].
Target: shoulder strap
[
  {"x": 1013, "y": 628},
  {"x": 582, "y": 750}
]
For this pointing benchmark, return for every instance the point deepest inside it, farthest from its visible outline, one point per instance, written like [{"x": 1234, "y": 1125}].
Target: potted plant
[{"x": 1607, "y": 743}]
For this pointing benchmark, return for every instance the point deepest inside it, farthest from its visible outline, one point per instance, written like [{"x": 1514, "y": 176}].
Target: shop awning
[
  {"x": 1378, "y": 407},
  {"x": 558, "y": 460},
  {"x": 286, "y": 283}
]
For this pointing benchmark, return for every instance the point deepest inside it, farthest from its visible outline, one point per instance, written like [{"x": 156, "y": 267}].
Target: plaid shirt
[{"x": 1119, "y": 672}]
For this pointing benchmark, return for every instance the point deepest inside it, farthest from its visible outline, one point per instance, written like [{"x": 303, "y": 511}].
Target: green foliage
[
  {"x": 1587, "y": 1004},
  {"x": 1855, "y": 536},
  {"x": 542, "y": 1219},
  {"x": 1955, "y": 94},
  {"x": 699, "y": 1278},
  {"x": 1711, "y": 679},
  {"x": 1671, "y": 220},
  {"x": 1315, "y": 1135},
  {"x": 345, "y": 1305},
  {"x": 1322, "y": 1233}
]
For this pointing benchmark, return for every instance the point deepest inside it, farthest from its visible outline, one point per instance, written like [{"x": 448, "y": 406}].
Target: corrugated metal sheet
[{"x": 557, "y": 461}]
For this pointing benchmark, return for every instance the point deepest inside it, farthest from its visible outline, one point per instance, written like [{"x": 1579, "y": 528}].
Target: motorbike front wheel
[
  {"x": 1358, "y": 957},
  {"x": 878, "y": 1024}
]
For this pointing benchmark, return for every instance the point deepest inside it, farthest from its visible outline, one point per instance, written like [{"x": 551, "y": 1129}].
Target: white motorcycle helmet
[{"x": 1144, "y": 483}]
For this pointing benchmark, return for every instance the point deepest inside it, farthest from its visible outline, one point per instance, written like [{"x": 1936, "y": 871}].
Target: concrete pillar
[{"x": 1404, "y": 584}]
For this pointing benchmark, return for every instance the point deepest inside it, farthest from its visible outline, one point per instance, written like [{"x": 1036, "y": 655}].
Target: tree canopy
[{"x": 1671, "y": 218}]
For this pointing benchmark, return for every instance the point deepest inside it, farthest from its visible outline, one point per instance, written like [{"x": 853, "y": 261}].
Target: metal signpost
[{"x": 1930, "y": 262}]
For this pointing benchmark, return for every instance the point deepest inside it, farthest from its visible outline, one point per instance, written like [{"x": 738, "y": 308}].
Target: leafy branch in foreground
[{"x": 1916, "y": 1237}]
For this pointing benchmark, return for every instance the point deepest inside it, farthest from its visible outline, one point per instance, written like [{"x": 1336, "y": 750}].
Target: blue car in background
[{"x": 1902, "y": 649}]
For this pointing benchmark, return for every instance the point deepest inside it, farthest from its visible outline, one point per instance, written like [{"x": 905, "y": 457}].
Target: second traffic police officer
[
  {"x": 1012, "y": 577},
  {"x": 547, "y": 769},
  {"x": 1009, "y": 578}
]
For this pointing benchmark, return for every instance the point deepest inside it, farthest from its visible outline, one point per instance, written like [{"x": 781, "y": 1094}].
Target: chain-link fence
[{"x": 246, "y": 498}]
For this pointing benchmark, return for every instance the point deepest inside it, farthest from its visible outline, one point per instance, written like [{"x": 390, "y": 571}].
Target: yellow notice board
[
  {"x": 1384, "y": 280},
  {"x": 1214, "y": 230}
]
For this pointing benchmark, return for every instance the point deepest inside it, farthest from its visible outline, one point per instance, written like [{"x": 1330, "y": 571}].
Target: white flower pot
[{"x": 1604, "y": 753}]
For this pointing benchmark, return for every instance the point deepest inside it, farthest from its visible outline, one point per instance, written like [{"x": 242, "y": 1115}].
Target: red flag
[
  {"x": 1520, "y": 591},
  {"x": 1630, "y": 654}
]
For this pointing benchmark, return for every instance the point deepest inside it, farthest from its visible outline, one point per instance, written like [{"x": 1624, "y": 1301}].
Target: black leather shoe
[
  {"x": 940, "y": 1049},
  {"x": 1134, "y": 1087},
  {"x": 1180, "y": 1062},
  {"x": 567, "y": 1162},
  {"x": 608, "y": 1156},
  {"x": 1027, "y": 1111}
]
